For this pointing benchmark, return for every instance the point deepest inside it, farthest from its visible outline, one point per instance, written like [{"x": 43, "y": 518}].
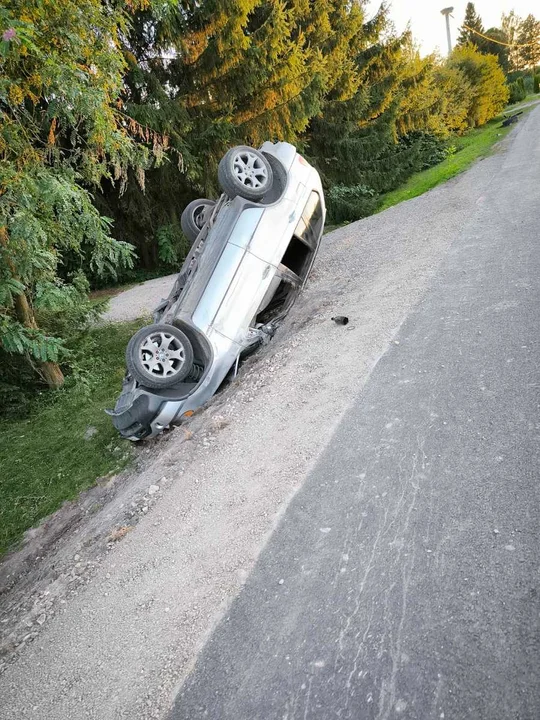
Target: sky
[{"x": 428, "y": 25}]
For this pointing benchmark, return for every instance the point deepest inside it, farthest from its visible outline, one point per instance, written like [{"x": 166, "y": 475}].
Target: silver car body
[{"x": 228, "y": 281}]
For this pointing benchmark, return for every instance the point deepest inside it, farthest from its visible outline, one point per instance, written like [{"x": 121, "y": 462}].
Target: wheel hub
[
  {"x": 162, "y": 355},
  {"x": 250, "y": 170}
]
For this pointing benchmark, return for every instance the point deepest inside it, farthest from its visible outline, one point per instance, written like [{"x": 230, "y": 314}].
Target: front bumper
[{"x": 140, "y": 413}]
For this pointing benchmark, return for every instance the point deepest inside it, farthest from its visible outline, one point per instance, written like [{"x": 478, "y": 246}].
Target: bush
[
  {"x": 426, "y": 150},
  {"x": 455, "y": 98},
  {"x": 172, "y": 245},
  {"x": 413, "y": 152},
  {"x": 517, "y": 91},
  {"x": 489, "y": 91},
  {"x": 62, "y": 311},
  {"x": 526, "y": 76},
  {"x": 347, "y": 203},
  {"x": 536, "y": 88}
]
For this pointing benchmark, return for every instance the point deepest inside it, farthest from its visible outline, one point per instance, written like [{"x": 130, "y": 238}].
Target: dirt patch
[{"x": 106, "y": 293}]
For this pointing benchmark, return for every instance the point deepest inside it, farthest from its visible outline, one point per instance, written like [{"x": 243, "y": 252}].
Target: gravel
[
  {"x": 139, "y": 300},
  {"x": 120, "y": 644}
]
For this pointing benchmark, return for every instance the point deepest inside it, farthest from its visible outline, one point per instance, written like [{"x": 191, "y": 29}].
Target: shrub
[
  {"x": 536, "y": 88},
  {"x": 172, "y": 245},
  {"x": 347, "y": 203},
  {"x": 426, "y": 150},
  {"x": 62, "y": 311},
  {"x": 489, "y": 91},
  {"x": 517, "y": 91},
  {"x": 455, "y": 98}
]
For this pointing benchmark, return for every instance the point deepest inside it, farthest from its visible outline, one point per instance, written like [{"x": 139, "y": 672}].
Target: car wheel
[
  {"x": 194, "y": 217},
  {"x": 245, "y": 171},
  {"x": 159, "y": 356}
]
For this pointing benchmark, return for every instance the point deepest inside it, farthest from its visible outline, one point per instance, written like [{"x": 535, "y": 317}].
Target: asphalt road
[{"x": 402, "y": 581}]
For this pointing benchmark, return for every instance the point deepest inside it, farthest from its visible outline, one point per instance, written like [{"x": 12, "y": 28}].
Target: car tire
[
  {"x": 245, "y": 172},
  {"x": 194, "y": 216},
  {"x": 159, "y": 356}
]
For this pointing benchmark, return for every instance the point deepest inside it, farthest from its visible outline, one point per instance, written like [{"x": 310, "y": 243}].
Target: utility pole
[{"x": 446, "y": 12}]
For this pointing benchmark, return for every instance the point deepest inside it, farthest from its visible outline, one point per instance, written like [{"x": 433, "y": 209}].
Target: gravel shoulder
[
  {"x": 103, "y": 615},
  {"x": 139, "y": 300}
]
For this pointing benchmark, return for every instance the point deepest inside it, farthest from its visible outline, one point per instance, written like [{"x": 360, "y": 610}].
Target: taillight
[{"x": 303, "y": 161}]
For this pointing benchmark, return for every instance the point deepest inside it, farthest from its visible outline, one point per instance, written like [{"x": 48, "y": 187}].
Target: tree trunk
[{"x": 50, "y": 371}]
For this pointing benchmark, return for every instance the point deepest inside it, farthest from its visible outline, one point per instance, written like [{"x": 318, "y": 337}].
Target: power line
[{"x": 498, "y": 42}]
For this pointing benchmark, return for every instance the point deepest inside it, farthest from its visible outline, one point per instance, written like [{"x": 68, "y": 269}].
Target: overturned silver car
[{"x": 252, "y": 252}]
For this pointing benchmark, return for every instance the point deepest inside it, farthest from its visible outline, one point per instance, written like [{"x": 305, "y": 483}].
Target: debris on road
[{"x": 511, "y": 119}]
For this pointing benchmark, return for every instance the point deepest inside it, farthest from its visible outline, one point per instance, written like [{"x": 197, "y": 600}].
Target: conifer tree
[
  {"x": 498, "y": 47},
  {"x": 471, "y": 23},
  {"x": 215, "y": 73},
  {"x": 357, "y": 142}
]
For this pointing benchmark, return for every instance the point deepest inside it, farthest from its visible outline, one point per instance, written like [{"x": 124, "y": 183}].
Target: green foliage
[
  {"x": 347, "y": 203},
  {"x": 65, "y": 317},
  {"x": 516, "y": 44},
  {"x": 396, "y": 123},
  {"x": 414, "y": 152},
  {"x": 472, "y": 24},
  {"x": 524, "y": 38},
  {"x": 494, "y": 41},
  {"x": 465, "y": 149},
  {"x": 429, "y": 150},
  {"x": 489, "y": 92},
  {"x": 525, "y": 76},
  {"x": 62, "y": 131},
  {"x": 498, "y": 47},
  {"x": 510, "y": 25},
  {"x": 172, "y": 245},
  {"x": 536, "y": 86},
  {"x": 45, "y": 456},
  {"x": 529, "y": 40},
  {"x": 355, "y": 140},
  {"x": 517, "y": 91},
  {"x": 456, "y": 95}
]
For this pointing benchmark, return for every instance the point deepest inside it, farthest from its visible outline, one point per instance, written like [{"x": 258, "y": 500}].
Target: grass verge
[
  {"x": 469, "y": 147},
  {"x": 529, "y": 98},
  {"x": 67, "y": 441}
]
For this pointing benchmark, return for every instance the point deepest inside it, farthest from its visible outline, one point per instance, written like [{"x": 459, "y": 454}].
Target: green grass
[
  {"x": 529, "y": 98},
  {"x": 469, "y": 147},
  {"x": 45, "y": 458}
]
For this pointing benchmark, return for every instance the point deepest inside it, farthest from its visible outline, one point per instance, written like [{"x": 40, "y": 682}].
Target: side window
[
  {"x": 308, "y": 227},
  {"x": 313, "y": 212}
]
